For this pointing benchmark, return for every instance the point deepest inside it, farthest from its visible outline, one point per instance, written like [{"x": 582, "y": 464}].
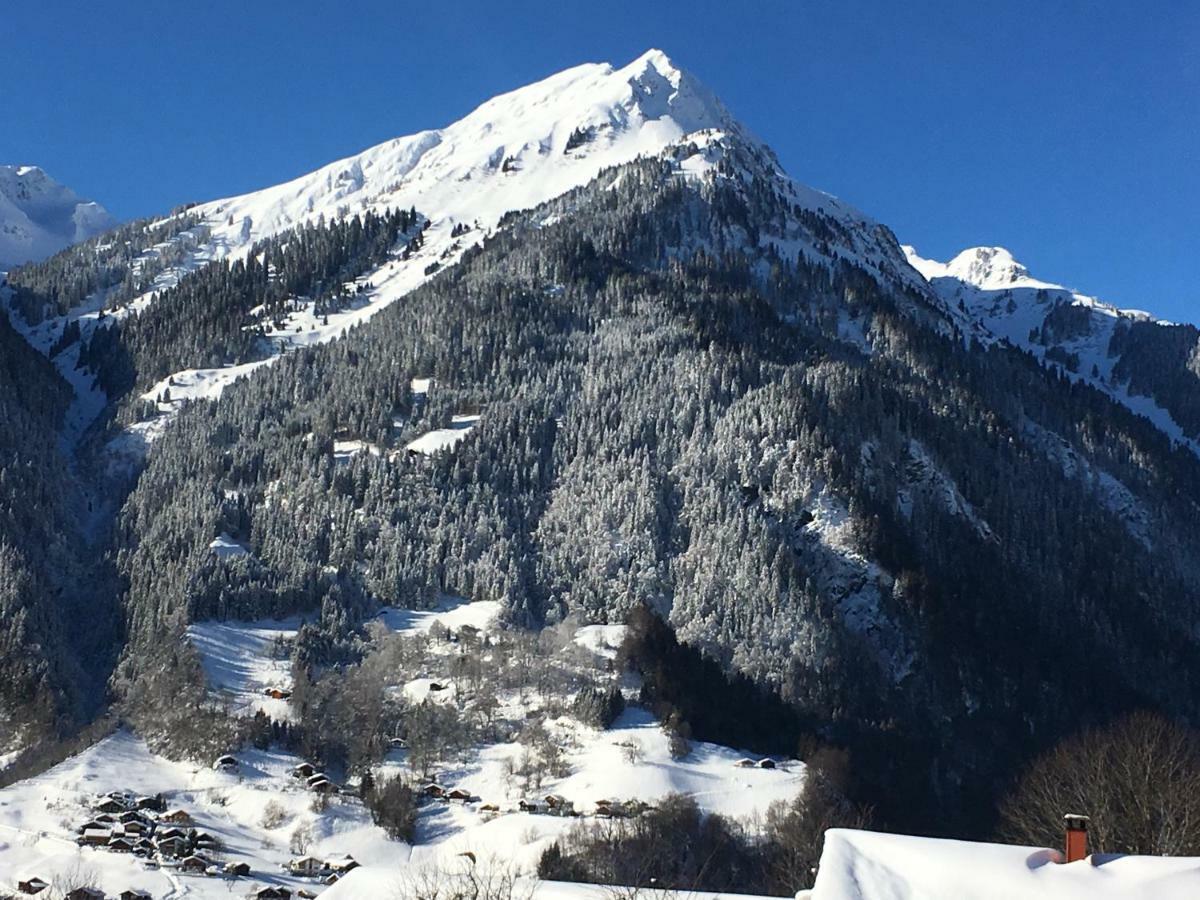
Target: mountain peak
[
  {"x": 39, "y": 216},
  {"x": 989, "y": 268}
]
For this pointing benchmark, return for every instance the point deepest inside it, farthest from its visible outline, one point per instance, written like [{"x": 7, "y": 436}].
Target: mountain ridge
[{"x": 39, "y": 216}]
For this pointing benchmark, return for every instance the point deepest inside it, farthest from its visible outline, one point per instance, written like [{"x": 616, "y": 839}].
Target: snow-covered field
[
  {"x": 255, "y": 810},
  {"x": 38, "y": 818},
  {"x": 240, "y": 663}
]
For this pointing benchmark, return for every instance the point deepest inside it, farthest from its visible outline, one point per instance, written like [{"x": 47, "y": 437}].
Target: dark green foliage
[
  {"x": 393, "y": 804},
  {"x": 599, "y": 707},
  {"x": 699, "y": 698}
]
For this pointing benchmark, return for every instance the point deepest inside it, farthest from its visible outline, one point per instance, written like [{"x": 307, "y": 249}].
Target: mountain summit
[{"x": 39, "y": 216}]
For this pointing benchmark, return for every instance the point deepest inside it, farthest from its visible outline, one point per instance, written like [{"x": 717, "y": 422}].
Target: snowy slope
[
  {"x": 39, "y": 216},
  {"x": 629, "y": 761},
  {"x": 863, "y": 865},
  {"x": 513, "y": 152},
  {"x": 998, "y": 295}
]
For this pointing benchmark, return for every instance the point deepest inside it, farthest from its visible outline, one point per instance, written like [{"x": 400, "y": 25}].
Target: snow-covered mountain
[
  {"x": 39, "y": 216},
  {"x": 513, "y": 152},
  {"x": 1096, "y": 342}
]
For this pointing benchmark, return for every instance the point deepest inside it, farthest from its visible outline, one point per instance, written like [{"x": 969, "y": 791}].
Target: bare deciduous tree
[{"x": 1138, "y": 780}]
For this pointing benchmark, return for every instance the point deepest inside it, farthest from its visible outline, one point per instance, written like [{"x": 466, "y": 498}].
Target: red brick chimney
[{"x": 1076, "y": 836}]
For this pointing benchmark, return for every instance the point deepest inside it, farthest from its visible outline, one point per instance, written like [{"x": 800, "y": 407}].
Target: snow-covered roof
[{"x": 866, "y": 865}]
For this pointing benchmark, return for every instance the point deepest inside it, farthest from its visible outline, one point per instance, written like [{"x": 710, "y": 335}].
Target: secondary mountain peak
[
  {"x": 990, "y": 268},
  {"x": 39, "y": 216}
]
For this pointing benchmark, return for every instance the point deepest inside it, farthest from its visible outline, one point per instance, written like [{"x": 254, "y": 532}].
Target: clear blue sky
[{"x": 1068, "y": 132}]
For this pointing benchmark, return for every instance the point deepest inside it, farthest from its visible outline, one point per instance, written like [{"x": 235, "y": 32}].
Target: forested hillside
[{"x": 944, "y": 554}]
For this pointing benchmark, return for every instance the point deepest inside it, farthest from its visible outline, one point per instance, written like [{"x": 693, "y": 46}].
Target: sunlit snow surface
[
  {"x": 862, "y": 865},
  {"x": 998, "y": 293},
  {"x": 631, "y": 760}
]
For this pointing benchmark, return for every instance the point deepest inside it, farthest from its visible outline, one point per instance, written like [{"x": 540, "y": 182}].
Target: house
[
  {"x": 316, "y": 777},
  {"x": 306, "y": 865},
  {"x": 136, "y": 826},
  {"x": 306, "y": 894},
  {"x": 237, "y": 869},
  {"x": 325, "y": 787},
  {"x": 559, "y": 806},
  {"x": 271, "y": 892},
  {"x": 144, "y": 847},
  {"x": 172, "y": 846},
  {"x": 746, "y": 763},
  {"x": 398, "y": 743},
  {"x": 226, "y": 763},
  {"x": 95, "y": 837},
  {"x": 176, "y": 817},
  {"x": 277, "y": 693},
  {"x": 434, "y": 790},
  {"x": 170, "y": 832},
  {"x": 32, "y": 885},
  {"x": 766, "y": 764},
  {"x": 489, "y": 807},
  {"x": 105, "y": 819},
  {"x": 95, "y": 823},
  {"x": 120, "y": 845},
  {"x": 195, "y": 864},
  {"x": 109, "y": 805},
  {"x": 134, "y": 894},
  {"x": 530, "y": 806},
  {"x": 343, "y": 864},
  {"x": 84, "y": 893},
  {"x": 458, "y": 794},
  {"x": 304, "y": 770}
]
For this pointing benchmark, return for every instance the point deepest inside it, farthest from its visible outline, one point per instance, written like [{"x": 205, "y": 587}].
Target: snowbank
[{"x": 865, "y": 865}]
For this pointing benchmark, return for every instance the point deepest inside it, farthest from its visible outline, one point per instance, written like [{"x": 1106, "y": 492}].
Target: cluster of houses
[
  {"x": 33, "y": 885},
  {"x": 316, "y": 781},
  {"x": 550, "y": 805},
  {"x": 326, "y": 870},
  {"x": 746, "y": 763},
  {"x": 142, "y": 826}
]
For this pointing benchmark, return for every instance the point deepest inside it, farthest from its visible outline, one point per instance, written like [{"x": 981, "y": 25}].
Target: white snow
[
  {"x": 603, "y": 640},
  {"x": 38, "y": 818},
  {"x": 239, "y": 663},
  {"x": 863, "y": 865},
  {"x": 630, "y": 761},
  {"x": 39, "y": 216},
  {"x": 1004, "y": 302},
  {"x": 443, "y": 438},
  {"x": 451, "y": 612},
  {"x": 225, "y": 547}
]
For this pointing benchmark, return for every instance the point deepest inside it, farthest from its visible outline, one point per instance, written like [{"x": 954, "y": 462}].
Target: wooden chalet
[
  {"x": 237, "y": 869},
  {"x": 176, "y": 817},
  {"x": 271, "y": 892},
  {"x": 95, "y": 837},
  {"x": 306, "y": 865},
  {"x": 120, "y": 844},
  {"x": 135, "y": 894},
  {"x": 458, "y": 794},
  {"x": 84, "y": 893},
  {"x": 304, "y": 770},
  {"x": 766, "y": 764},
  {"x": 195, "y": 864},
  {"x": 32, "y": 885},
  {"x": 226, "y": 763}
]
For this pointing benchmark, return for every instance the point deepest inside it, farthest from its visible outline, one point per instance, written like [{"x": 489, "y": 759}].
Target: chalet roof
[{"x": 865, "y": 865}]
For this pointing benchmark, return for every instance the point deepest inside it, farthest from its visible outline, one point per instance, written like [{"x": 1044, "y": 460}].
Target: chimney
[{"x": 1076, "y": 836}]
